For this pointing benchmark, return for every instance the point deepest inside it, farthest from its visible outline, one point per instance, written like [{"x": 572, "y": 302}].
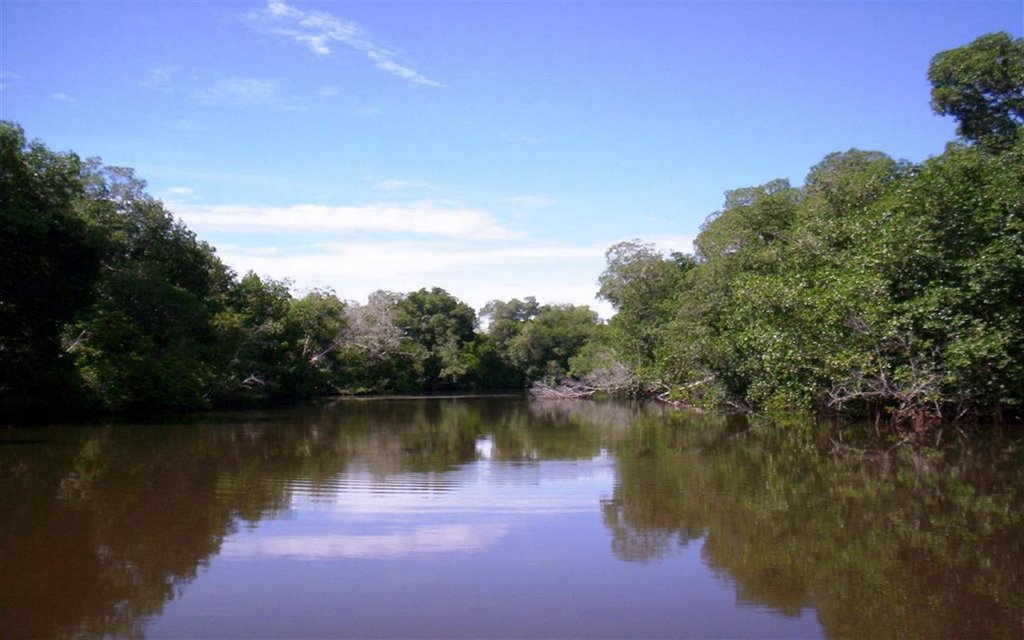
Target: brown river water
[{"x": 479, "y": 517}]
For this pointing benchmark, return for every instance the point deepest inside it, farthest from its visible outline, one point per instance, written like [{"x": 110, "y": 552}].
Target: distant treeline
[
  {"x": 109, "y": 304},
  {"x": 879, "y": 287}
]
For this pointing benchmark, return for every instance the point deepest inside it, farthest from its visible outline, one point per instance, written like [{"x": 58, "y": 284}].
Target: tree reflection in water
[
  {"x": 102, "y": 526},
  {"x": 908, "y": 544}
]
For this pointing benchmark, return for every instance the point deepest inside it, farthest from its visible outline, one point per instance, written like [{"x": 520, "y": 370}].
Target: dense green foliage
[
  {"x": 110, "y": 304},
  {"x": 876, "y": 286},
  {"x": 49, "y": 261},
  {"x": 982, "y": 85},
  {"x": 537, "y": 342}
]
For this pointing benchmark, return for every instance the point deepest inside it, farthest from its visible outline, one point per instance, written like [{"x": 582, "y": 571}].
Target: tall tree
[
  {"x": 51, "y": 249},
  {"x": 546, "y": 343},
  {"x": 439, "y": 327},
  {"x": 147, "y": 341},
  {"x": 642, "y": 285},
  {"x": 505, "y": 322},
  {"x": 982, "y": 85}
]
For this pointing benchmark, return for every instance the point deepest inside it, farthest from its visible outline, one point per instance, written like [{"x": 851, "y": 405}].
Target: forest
[{"x": 878, "y": 288}]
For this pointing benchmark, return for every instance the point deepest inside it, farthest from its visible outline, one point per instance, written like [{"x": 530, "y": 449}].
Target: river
[{"x": 501, "y": 517}]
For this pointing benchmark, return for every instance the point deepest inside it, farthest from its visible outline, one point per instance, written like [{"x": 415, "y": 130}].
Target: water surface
[{"x": 498, "y": 517}]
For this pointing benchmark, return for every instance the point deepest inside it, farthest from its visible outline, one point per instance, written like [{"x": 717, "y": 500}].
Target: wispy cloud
[
  {"x": 328, "y": 91},
  {"x": 160, "y": 79},
  {"x": 177, "y": 173},
  {"x": 319, "y": 31},
  {"x": 420, "y": 218},
  {"x": 212, "y": 89},
  {"x": 402, "y": 185},
  {"x": 530, "y": 202},
  {"x": 236, "y": 91},
  {"x": 382, "y": 59},
  {"x": 519, "y": 138},
  {"x": 177, "y": 192},
  {"x": 63, "y": 97},
  {"x": 6, "y": 77},
  {"x": 185, "y": 125}
]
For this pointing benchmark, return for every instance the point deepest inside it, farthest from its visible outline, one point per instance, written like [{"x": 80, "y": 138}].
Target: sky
[{"x": 495, "y": 149}]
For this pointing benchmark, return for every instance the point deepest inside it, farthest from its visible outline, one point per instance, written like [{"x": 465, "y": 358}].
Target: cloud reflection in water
[
  {"x": 364, "y": 515},
  {"x": 419, "y": 541}
]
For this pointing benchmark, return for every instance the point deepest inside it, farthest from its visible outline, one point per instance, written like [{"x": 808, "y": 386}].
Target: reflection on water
[
  {"x": 499, "y": 517},
  {"x": 417, "y": 540},
  {"x": 910, "y": 544}
]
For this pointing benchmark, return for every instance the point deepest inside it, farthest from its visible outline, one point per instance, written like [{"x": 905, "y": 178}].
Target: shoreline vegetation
[{"x": 879, "y": 290}]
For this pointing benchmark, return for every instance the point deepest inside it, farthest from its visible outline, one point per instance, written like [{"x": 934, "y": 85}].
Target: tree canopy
[
  {"x": 982, "y": 86},
  {"x": 109, "y": 303},
  {"x": 877, "y": 287}
]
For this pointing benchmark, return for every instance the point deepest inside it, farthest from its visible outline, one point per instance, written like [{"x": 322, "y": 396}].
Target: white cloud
[
  {"x": 398, "y": 258},
  {"x": 404, "y": 246},
  {"x": 551, "y": 272},
  {"x": 63, "y": 97},
  {"x": 318, "y": 31},
  {"x": 424, "y": 218},
  {"x": 248, "y": 251},
  {"x": 530, "y": 202},
  {"x": 402, "y": 185}
]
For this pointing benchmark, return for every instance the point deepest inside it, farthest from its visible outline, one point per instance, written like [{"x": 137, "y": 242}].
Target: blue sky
[{"x": 495, "y": 149}]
